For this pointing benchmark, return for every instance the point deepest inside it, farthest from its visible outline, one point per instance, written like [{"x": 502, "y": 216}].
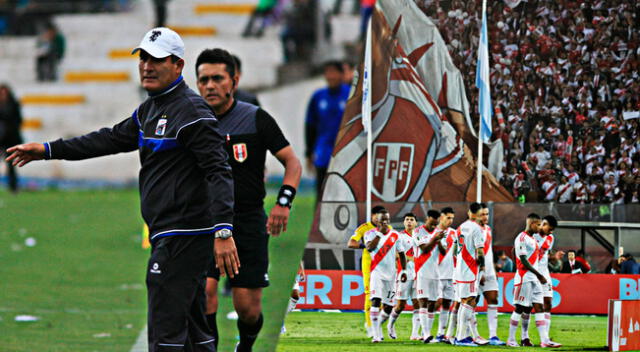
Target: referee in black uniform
[
  {"x": 186, "y": 191},
  {"x": 249, "y": 132}
]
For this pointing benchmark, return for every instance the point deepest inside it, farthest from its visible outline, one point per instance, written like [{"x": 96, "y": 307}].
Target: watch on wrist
[{"x": 223, "y": 234}]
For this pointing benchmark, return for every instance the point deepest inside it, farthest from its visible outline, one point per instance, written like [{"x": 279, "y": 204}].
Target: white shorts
[
  {"x": 490, "y": 284},
  {"x": 445, "y": 289},
  {"x": 528, "y": 293},
  {"x": 466, "y": 289},
  {"x": 296, "y": 286},
  {"x": 456, "y": 298},
  {"x": 427, "y": 288},
  {"x": 405, "y": 290},
  {"x": 382, "y": 289},
  {"x": 547, "y": 289}
]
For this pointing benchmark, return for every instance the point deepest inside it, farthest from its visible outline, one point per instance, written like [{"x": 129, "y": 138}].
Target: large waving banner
[{"x": 421, "y": 130}]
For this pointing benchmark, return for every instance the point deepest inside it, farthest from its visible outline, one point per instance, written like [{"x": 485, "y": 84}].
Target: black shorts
[
  {"x": 252, "y": 242},
  {"x": 176, "y": 278}
]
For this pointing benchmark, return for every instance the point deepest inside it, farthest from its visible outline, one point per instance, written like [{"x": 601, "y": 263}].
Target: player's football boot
[
  {"x": 441, "y": 338},
  {"x": 283, "y": 330},
  {"x": 415, "y": 337},
  {"x": 466, "y": 342},
  {"x": 495, "y": 341},
  {"x": 376, "y": 340},
  {"x": 391, "y": 331},
  {"x": 512, "y": 343},
  {"x": 427, "y": 339},
  {"x": 550, "y": 344},
  {"x": 526, "y": 343},
  {"x": 481, "y": 341}
]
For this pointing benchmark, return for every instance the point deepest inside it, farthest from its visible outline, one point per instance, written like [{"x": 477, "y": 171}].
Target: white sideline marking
[{"x": 141, "y": 344}]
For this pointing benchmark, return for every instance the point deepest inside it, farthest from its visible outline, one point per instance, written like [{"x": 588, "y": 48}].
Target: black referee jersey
[{"x": 249, "y": 132}]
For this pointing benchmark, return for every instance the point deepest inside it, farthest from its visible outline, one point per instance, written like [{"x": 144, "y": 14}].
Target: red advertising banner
[
  {"x": 573, "y": 293},
  {"x": 624, "y": 325}
]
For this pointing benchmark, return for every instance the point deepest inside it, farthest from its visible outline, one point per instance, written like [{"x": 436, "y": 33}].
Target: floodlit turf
[
  {"x": 84, "y": 277},
  {"x": 326, "y": 332}
]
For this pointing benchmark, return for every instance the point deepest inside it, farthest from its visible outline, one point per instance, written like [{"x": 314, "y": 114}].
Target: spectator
[
  {"x": 10, "y": 121},
  {"x": 262, "y": 11},
  {"x": 299, "y": 32},
  {"x": 564, "y": 83},
  {"x": 324, "y": 115},
  {"x": 555, "y": 261},
  {"x": 628, "y": 264},
  {"x": 50, "y": 50},
  {"x": 504, "y": 264},
  {"x": 581, "y": 257},
  {"x": 614, "y": 265},
  {"x": 572, "y": 266}
]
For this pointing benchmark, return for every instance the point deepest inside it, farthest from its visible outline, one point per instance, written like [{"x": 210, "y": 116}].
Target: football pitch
[
  {"x": 326, "y": 332},
  {"x": 72, "y": 261}
]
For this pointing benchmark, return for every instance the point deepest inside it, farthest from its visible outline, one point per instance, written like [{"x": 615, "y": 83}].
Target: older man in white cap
[{"x": 186, "y": 191}]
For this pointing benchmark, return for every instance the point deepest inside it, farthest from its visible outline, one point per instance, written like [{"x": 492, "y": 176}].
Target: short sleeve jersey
[
  {"x": 358, "y": 235},
  {"x": 545, "y": 243},
  {"x": 383, "y": 257},
  {"x": 470, "y": 238},
  {"x": 407, "y": 237},
  {"x": 446, "y": 261},
  {"x": 426, "y": 262},
  {"x": 526, "y": 245},
  {"x": 489, "y": 269},
  {"x": 249, "y": 132}
]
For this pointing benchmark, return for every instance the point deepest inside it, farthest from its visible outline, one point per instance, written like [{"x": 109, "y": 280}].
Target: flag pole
[
  {"x": 484, "y": 97},
  {"x": 366, "y": 115}
]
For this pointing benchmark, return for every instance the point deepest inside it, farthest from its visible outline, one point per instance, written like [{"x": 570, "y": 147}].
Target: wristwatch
[{"x": 223, "y": 234}]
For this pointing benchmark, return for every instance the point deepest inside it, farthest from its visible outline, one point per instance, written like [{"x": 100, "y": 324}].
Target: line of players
[{"x": 438, "y": 267}]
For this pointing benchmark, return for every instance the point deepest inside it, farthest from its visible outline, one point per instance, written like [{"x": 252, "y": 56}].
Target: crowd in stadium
[{"x": 564, "y": 85}]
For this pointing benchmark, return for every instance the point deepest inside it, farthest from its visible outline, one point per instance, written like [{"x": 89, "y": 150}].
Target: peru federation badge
[{"x": 240, "y": 152}]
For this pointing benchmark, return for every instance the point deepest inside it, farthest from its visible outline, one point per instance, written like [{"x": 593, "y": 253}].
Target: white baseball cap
[{"x": 161, "y": 42}]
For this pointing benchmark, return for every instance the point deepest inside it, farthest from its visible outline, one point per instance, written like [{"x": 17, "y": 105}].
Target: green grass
[
  {"x": 326, "y": 332},
  {"x": 84, "y": 278}
]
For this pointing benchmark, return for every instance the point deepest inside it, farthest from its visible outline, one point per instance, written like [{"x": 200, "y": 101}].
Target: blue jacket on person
[
  {"x": 630, "y": 267},
  {"x": 324, "y": 115}
]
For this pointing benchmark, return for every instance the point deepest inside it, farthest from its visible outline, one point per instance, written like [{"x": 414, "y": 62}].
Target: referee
[
  {"x": 249, "y": 132},
  {"x": 186, "y": 191}
]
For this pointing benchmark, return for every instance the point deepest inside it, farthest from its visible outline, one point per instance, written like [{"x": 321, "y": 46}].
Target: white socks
[
  {"x": 424, "y": 322},
  {"x": 442, "y": 321},
  {"x": 393, "y": 317},
  {"x": 375, "y": 322},
  {"x": 415, "y": 323},
  {"x": 541, "y": 324},
  {"x": 548, "y": 318},
  {"x": 465, "y": 314},
  {"x": 453, "y": 322},
  {"x": 473, "y": 326},
  {"x": 513, "y": 325},
  {"x": 492, "y": 320}
]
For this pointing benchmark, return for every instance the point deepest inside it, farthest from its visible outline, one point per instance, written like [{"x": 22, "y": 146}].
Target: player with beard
[{"x": 445, "y": 270}]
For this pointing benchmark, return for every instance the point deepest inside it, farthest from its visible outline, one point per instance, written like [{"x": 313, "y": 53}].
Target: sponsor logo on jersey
[
  {"x": 161, "y": 127},
  {"x": 392, "y": 167},
  {"x": 240, "y": 152}
]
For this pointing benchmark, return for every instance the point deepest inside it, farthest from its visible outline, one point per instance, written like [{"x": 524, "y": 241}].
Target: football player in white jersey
[
  {"x": 427, "y": 239},
  {"x": 406, "y": 290},
  {"x": 383, "y": 244},
  {"x": 488, "y": 285},
  {"x": 445, "y": 271},
  {"x": 469, "y": 264},
  {"x": 546, "y": 240},
  {"x": 527, "y": 291}
]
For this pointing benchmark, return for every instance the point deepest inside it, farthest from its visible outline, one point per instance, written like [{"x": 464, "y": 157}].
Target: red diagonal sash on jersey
[
  {"x": 382, "y": 252},
  {"x": 533, "y": 259},
  {"x": 487, "y": 240},
  {"x": 546, "y": 244},
  {"x": 550, "y": 189},
  {"x": 563, "y": 190},
  {"x": 408, "y": 253},
  {"x": 470, "y": 260},
  {"x": 449, "y": 240}
]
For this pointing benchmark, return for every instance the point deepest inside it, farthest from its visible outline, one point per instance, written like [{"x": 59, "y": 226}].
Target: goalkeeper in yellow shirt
[{"x": 357, "y": 242}]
